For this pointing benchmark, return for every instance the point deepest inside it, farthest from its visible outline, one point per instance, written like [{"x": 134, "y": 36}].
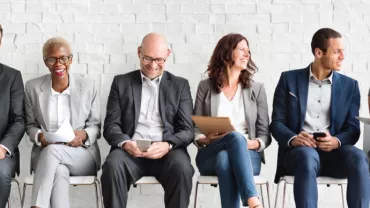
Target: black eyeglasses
[
  {"x": 148, "y": 59},
  {"x": 62, "y": 60}
]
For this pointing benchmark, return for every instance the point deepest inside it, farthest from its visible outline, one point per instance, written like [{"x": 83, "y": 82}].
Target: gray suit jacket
[
  {"x": 255, "y": 105},
  {"x": 175, "y": 108},
  {"x": 11, "y": 110},
  {"x": 85, "y": 110}
]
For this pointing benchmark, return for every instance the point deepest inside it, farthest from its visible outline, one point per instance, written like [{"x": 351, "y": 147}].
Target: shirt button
[
  {"x": 318, "y": 116},
  {"x": 318, "y": 129},
  {"x": 319, "y": 101},
  {"x": 320, "y": 86}
]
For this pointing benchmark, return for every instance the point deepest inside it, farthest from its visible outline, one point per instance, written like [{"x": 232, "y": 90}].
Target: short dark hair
[
  {"x": 222, "y": 59},
  {"x": 321, "y": 37},
  {"x": 1, "y": 32}
]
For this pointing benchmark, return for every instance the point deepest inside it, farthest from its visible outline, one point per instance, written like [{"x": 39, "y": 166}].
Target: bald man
[{"x": 156, "y": 106}]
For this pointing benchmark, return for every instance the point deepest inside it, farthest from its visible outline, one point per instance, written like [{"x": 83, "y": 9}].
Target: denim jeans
[{"x": 234, "y": 165}]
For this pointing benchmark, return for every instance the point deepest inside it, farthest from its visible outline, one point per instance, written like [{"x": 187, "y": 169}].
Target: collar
[
  {"x": 329, "y": 79},
  {"x": 156, "y": 80}
]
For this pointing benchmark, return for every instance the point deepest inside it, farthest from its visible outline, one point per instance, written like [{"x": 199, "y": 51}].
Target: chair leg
[
  {"x": 268, "y": 193},
  {"x": 8, "y": 204},
  {"x": 96, "y": 193},
  {"x": 19, "y": 189},
  {"x": 284, "y": 194},
  {"x": 196, "y": 195},
  {"x": 262, "y": 196},
  {"x": 343, "y": 195},
  {"x": 24, "y": 195},
  {"x": 277, "y": 194},
  {"x": 101, "y": 193}
]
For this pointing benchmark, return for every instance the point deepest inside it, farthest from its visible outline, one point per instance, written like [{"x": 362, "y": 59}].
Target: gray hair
[{"x": 55, "y": 42}]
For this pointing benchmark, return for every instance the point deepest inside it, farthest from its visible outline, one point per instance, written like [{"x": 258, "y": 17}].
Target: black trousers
[
  {"x": 7, "y": 169},
  {"x": 174, "y": 171}
]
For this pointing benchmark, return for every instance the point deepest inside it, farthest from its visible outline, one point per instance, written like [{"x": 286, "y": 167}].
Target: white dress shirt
[
  {"x": 150, "y": 124},
  {"x": 59, "y": 110}
]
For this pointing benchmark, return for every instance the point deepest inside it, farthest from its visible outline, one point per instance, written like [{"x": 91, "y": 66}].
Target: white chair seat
[
  {"x": 73, "y": 180},
  {"x": 147, "y": 180},
  {"x": 320, "y": 180},
  {"x": 213, "y": 180}
]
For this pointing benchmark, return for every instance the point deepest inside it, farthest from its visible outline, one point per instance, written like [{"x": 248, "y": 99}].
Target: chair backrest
[{"x": 367, "y": 140}]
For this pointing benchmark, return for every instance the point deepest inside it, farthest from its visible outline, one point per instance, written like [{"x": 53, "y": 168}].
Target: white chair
[
  {"x": 14, "y": 180},
  {"x": 213, "y": 181},
  {"x": 74, "y": 181},
  {"x": 320, "y": 181},
  {"x": 146, "y": 180},
  {"x": 367, "y": 141}
]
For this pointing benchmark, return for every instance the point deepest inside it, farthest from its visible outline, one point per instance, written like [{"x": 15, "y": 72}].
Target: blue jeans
[
  {"x": 306, "y": 163},
  {"x": 229, "y": 159}
]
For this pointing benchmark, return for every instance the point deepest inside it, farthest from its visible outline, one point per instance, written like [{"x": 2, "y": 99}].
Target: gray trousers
[
  {"x": 7, "y": 168},
  {"x": 54, "y": 164}
]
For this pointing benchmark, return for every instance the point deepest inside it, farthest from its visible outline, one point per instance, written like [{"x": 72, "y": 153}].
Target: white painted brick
[
  {"x": 340, "y": 7},
  {"x": 4, "y": 7},
  {"x": 359, "y": 28},
  {"x": 217, "y": 19},
  {"x": 106, "y": 38},
  {"x": 51, "y": 18},
  {"x": 303, "y": 28},
  {"x": 130, "y": 48},
  {"x": 247, "y": 18},
  {"x": 360, "y": 66},
  {"x": 92, "y": 58},
  {"x": 272, "y": 27},
  {"x": 67, "y": 18},
  {"x": 181, "y": 18},
  {"x": 118, "y": 59},
  {"x": 241, "y": 8},
  {"x": 360, "y": 8},
  {"x": 316, "y": 1},
  {"x": 89, "y": 18},
  {"x": 32, "y": 68},
  {"x": 286, "y": 2},
  {"x": 135, "y": 8},
  {"x": 271, "y": 8},
  {"x": 26, "y": 17},
  {"x": 148, "y": 18},
  {"x": 202, "y": 18},
  {"x": 78, "y": 68},
  {"x": 105, "y": 8},
  {"x": 14, "y": 28},
  {"x": 118, "y": 68},
  {"x": 33, "y": 28},
  {"x": 72, "y": 8},
  {"x": 18, "y": 7},
  {"x": 195, "y": 8},
  {"x": 158, "y": 9},
  {"x": 218, "y": 8},
  {"x": 232, "y": 28},
  {"x": 120, "y": 18},
  {"x": 173, "y": 8},
  {"x": 149, "y": 1},
  {"x": 22, "y": 39},
  {"x": 181, "y": 58},
  {"x": 310, "y": 18},
  {"x": 95, "y": 68},
  {"x": 77, "y": 27},
  {"x": 43, "y": 7},
  {"x": 96, "y": 47},
  {"x": 188, "y": 28},
  {"x": 135, "y": 29},
  {"x": 197, "y": 38},
  {"x": 113, "y": 48},
  {"x": 84, "y": 36}
]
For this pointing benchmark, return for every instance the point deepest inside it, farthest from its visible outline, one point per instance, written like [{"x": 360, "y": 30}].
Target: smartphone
[
  {"x": 143, "y": 144},
  {"x": 318, "y": 134}
]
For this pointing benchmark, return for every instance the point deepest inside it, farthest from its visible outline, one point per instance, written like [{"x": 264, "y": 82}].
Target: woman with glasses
[
  {"x": 56, "y": 100},
  {"x": 231, "y": 92}
]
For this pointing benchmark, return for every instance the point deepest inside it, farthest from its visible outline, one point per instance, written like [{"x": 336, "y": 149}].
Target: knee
[
  {"x": 181, "y": 168},
  {"x": 357, "y": 159},
  {"x": 5, "y": 175},
  {"x": 62, "y": 172},
  {"x": 237, "y": 137},
  {"x": 307, "y": 159},
  {"x": 50, "y": 151},
  {"x": 222, "y": 162}
]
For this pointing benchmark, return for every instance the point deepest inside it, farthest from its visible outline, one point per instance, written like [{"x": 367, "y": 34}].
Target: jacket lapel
[
  {"x": 215, "y": 101},
  {"x": 43, "y": 99},
  {"x": 164, "y": 86},
  {"x": 335, "y": 96},
  {"x": 302, "y": 85},
  {"x": 75, "y": 101},
  {"x": 136, "y": 84},
  {"x": 249, "y": 106}
]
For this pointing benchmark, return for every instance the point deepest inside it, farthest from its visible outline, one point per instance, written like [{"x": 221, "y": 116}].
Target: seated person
[
  {"x": 230, "y": 90},
  {"x": 51, "y": 100},
  {"x": 319, "y": 99},
  {"x": 151, "y": 104}
]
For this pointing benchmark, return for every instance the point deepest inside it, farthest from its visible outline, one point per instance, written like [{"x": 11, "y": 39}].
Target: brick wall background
[{"x": 105, "y": 34}]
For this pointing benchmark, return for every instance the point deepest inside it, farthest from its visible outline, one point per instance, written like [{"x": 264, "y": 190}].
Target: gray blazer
[
  {"x": 85, "y": 110},
  {"x": 255, "y": 105}
]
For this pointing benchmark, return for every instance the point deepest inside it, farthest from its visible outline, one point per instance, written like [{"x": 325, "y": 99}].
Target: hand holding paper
[{"x": 65, "y": 134}]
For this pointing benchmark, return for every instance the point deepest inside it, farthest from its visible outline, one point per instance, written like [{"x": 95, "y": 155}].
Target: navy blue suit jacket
[{"x": 289, "y": 111}]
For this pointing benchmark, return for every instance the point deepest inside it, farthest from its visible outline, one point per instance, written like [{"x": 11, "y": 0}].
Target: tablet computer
[{"x": 209, "y": 124}]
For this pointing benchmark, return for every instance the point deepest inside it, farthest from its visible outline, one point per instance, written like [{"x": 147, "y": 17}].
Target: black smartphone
[{"x": 318, "y": 134}]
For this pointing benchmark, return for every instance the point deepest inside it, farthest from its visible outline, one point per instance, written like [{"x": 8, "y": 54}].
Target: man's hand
[
  {"x": 304, "y": 139},
  {"x": 328, "y": 143},
  {"x": 253, "y": 144},
  {"x": 82, "y": 134},
  {"x": 42, "y": 139},
  {"x": 157, "y": 150},
  {"x": 2, "y": 152},
  {"x": 79, "y": 139},
  {"x": 210, "y": 138},
  {"x": 131, "y": 148}
]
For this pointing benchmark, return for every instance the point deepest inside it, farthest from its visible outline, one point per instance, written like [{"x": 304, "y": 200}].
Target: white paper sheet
[
  {"x": 364, "y": 120},
  {"x": 65, "y": 133}
]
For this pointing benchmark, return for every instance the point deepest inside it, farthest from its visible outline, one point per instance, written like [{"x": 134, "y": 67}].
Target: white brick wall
[{"x": 105, "y": 35}]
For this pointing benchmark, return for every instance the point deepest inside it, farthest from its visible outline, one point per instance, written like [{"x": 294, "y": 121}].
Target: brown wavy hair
[{"x": 222, "y": 59}]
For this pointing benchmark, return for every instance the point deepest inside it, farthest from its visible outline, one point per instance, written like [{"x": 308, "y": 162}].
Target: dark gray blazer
[
  {"x": 12, "y": 125},
  {"x": 255, "y": 105},
  {"x": 123, "y": 109}
]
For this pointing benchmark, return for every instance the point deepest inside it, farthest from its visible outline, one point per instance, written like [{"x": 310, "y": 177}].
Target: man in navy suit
[{"x": 318, "y": 99}]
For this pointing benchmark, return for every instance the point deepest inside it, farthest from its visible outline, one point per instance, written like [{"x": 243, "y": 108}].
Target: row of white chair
[{"x": 202, "y": 180}]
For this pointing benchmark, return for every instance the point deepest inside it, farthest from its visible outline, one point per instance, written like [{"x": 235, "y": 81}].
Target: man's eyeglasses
[
  {"x": 62, "y": 60},
  {"x": 148, "y": 59}
]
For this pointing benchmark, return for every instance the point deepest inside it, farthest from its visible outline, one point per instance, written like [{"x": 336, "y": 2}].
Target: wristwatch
[{"x": 171, "y": 145}]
